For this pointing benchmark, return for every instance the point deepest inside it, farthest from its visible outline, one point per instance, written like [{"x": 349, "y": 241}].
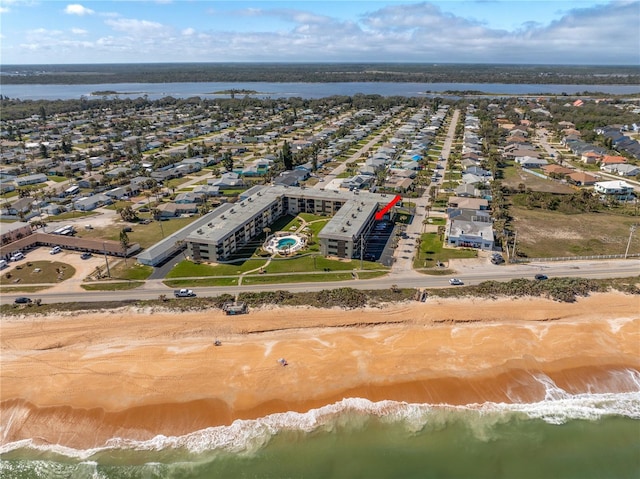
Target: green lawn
[
  {"x": 184, "y": 283},
  {"x": 307, "y": 263},
  {"x": 130, "y": 270},
  {"x": 57, "y": 179},
  {"x": 188, "y": 269},
  {"x": 431, "y": 250},
  {"x": 297, "y": 278}
]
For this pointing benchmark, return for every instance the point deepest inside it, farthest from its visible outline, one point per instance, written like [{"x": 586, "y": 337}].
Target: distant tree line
[{"x": 320, "y": 73}]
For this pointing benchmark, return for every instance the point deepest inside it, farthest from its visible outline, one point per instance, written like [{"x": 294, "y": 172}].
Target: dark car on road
[
  {"x": 541, "y": 277},
  {"x": 22, "y": 300}
]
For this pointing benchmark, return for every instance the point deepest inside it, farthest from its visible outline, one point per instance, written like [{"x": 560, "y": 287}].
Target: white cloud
[
  {"x": 4, "y": 10},
  {"x": 135, "y": 27},
  {"x": 393, "y": 32},
  {"x": 77, "y": 9}
]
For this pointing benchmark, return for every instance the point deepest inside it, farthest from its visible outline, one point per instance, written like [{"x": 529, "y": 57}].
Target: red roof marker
[{"x": 380, "y": 214}]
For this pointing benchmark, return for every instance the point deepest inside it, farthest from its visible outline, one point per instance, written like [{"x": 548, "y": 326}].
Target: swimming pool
[{"x": 286, "y": 244}]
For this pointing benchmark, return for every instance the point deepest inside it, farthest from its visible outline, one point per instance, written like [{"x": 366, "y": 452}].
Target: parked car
[
  {"x": 455, "y": 282},
  {"x": 127, "y": 229},
  {"x": 17, "y": 256},
  {"x": 55, "y": 250},
  {"x": 22, "y": 300},
  {"x": 541, "y": 277},
  {"x": 85, "y": 255}
]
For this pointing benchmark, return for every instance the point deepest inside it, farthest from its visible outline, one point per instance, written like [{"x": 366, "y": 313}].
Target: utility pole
[
  {"x": 633, "y": 229},
  {"x": 361, "y": 250},
  {"x": 515, "y": 237},
  {"x": 104, "y": 250}
]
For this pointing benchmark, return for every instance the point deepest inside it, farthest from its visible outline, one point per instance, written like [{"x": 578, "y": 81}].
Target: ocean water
[{"x": 565, "y": 436}]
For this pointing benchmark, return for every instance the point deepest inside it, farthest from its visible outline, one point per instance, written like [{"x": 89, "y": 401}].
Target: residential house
[
  {"x": 580, "y": 178},
  {"x": 207, "y": 190},
  {"x": 618, "y": 189},
  {"x": 6, "y": 187},
  {"x": 470, "y": 229},
  {"x": 91, "y": 181},
  {"x": 530, "y": 162},
  {"x": 357, "y": 182},
  {"x": 229, "y": 179},
  {"x": 10, "y": 232},
  {"x": 460, "y": 202},
  {"x": 476, "y": 170},
  {"x": 30, "y": 179},
  {"x": 291, "y": 178},
  {"x": 188, "y": 197},
  {"x": 92, "y": 202},
  {"x": 118, "y": 171},
  {"x": 590, "y": 157},
  {"x": 621, "y": 169},
  {"x": 612, "y": 160},
  {"x": 17, "y": 206},
  {"x": 556, "y": 170}
]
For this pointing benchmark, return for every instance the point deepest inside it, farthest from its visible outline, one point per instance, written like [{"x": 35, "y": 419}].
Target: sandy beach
[{"x": 79, "y": 380}]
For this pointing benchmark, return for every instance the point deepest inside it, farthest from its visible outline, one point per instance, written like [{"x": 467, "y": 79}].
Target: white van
[{"x": 17, "y": 256}]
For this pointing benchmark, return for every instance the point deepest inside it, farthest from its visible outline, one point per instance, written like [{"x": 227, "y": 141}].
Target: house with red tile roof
[
  {"x": 612, "y": 160},
  {"x": 580, "y": 178}
]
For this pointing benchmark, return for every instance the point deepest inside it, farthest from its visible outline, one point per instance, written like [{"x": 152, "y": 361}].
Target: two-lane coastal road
[{"x": 469, "y": 275}]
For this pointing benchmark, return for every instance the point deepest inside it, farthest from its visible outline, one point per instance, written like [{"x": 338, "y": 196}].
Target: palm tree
[{"x": 124, "y": 243}]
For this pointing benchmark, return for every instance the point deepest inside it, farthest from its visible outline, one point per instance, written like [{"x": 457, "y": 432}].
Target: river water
[{"x": 288, "y": 90}]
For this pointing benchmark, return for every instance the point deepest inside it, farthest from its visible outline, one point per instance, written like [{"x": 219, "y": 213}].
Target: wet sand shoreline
[{"x": 81, "y": 379}]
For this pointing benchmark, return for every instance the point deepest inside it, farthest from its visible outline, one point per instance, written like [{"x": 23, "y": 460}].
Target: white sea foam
[{"x": 248, "y": 436}]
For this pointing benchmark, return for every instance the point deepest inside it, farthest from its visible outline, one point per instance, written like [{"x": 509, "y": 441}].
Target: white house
[
  {"x": 619, "y": 189},
  {"x": 30, "y": 179},
  {"x": 622, "y": 169}
]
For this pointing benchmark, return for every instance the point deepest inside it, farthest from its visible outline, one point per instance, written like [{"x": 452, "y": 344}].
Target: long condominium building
[{"x": 233, "y": 225}]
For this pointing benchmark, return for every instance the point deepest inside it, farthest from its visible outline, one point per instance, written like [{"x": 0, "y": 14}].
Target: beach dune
[{"x": 79, "y": 380}]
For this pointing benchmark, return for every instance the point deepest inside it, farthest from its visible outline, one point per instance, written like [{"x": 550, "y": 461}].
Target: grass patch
[
  {"x": 145, "y": 235},
  {"x": 431, "y": 251},
  {"x": 298, "y": 278},
  {"x": 183, "y": 283},
  {"x": 57, "y": 179},
  {"x": 112, "y": 286},
  {"x": 33, "y": 272},
  {"x": 188, "y": 269},
  {"x": 130, "y": 270},
  {"x": 21, "y": 289},
  {"x": 371, "y": 274},
  {"x": 302, "y": 264}
]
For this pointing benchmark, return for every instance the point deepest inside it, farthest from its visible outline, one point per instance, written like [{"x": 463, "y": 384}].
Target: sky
[{"x": 447, "y": 31}]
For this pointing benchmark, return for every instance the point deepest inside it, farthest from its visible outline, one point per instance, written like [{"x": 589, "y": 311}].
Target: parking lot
[{"x": 83, "y": 267}]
